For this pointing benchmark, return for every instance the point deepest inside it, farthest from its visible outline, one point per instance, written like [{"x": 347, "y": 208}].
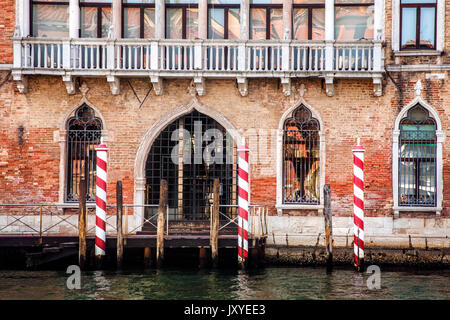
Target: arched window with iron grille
[
  {"x": 84, "y": 131},
  {"x": 417, "y": 159},
  {"x": 301, "y": 158}
]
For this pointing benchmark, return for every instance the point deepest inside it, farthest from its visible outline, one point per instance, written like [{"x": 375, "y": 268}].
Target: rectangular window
[
  {"x": 223, "y": 19},
  {"x": 308, "y": 20},
  {"x": 266, "y": 19},
  {"x": 418, "y": 24},
  {"x": 50, "y": 19},
  {"x": 353, "y": 19},
  {"x": 139, "y": 19},
  {"x": 95, "y": 18},
  {"x": 181, "y": 19}
]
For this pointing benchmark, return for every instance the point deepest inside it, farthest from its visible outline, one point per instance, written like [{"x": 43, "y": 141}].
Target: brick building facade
[{"x": 37, "y": 101}]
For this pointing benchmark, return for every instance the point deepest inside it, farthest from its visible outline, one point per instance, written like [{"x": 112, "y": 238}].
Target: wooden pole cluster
[
  {"x": 119, "y": 199},
  {"x": 328, "y": 226},
  {"x": 214, "y": 232},
  {"x": 160, "y": 226}
]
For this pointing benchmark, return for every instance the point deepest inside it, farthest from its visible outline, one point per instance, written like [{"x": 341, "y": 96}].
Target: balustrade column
[
  {"x": 244, "y": 21},
  {"x": 378, "y": 26},
  {"x": 329, "y": 34}
]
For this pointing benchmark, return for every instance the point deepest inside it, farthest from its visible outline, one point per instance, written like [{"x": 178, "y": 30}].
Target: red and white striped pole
[
  {"x": 100, "y": 209},
  {"x": 358, "y": 205},
  {"x": 243, "y": 196}
]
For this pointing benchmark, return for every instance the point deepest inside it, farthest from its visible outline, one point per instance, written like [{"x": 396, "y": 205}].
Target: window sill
[
  {"x": 409, "y": 53},
  {"x": 281, "y": 207},
  {"x": 397, "y": 210}
]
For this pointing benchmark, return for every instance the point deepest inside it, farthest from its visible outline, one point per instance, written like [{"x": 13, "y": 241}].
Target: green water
[{"x": 268, "y": 283}]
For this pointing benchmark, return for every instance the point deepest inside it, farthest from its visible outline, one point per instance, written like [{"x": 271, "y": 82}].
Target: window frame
[
  {"x": 226, "y": 8},
  {"x": 418, "y": 6},
  {"x": 440, "y": 138},
  {"x": 356, "y": 4},
  {"x": 267, "y": 7},
  {"x": 142, "y": 7},
  {"x": 418, "y": 161},
  {"x": 68, "y": 155},
  {"x": 310, "y": 7},
  {"x": 99, "y": 6},
  {"x": 37, "y": 2},
  {"x": 184, "y": 7}
]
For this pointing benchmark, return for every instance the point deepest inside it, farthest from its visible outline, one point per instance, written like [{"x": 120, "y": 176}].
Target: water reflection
[{"x": 193, "y": 284}]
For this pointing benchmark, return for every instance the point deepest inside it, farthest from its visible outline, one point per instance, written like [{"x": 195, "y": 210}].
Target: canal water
[{"x": 274, "y": 283}]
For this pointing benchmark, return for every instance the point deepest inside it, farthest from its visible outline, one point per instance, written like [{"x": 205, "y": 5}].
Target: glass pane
[
  {"x": 52, "y": 1},
  {"x": 409, "y": 18},
  {"x": 89, "y": 22},
  {"x": 407, "y": 183},
  {"x": 427, "y": 27},
  {"x": 318, "y": 24},
  {"x": 276, "y": 24},
  {"x": 266, "y": 1},
  {"x": 308, "y": 1},
  {"x": 353, "y": 23},
  {"x": 418, "y": 151},
  {"x": 106, "y": 21},
  {"x": 418, "y": 1},
  {"x": 182, "y": 1},
  {"x": 224, "y": 1},
  {"x": 50, "y": 21},
  {"x": 257, "y": 23},
  {"x": 149, "y": 23},
  {"x": 138, "y": 1},
  {"x": 234, "y": 24},
  {"x": 174, "y": 23},
  {"x": 427, "y": 182},
  {"x": 131, "y": 20},
  {"x": 216, "y": 23},
  {"x": 192, "y": 23},
  {"x": 353, "y": 1},
  {"x": 300, "y": 24},
  {"x": 96, "y": 1}
]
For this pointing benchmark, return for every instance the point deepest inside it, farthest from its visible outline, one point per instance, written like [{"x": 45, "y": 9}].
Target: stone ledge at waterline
[{"x": 309, "y": 255}]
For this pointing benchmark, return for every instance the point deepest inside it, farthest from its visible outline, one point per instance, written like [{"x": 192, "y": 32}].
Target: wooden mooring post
[
  {"x": 160, "y": 226},
  {"x": 82, "y": 228},
  {"x": 328, "y": 226},
  {"x": 119, "y": 200},
  {"x": 214, "y": 232}
]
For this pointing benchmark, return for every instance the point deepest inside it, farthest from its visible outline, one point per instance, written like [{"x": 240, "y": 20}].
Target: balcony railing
[{"x": 197, "y": 57}]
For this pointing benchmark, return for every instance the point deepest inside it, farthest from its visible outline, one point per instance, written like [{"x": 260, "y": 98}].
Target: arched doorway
[{"x": 190, "y": 153}]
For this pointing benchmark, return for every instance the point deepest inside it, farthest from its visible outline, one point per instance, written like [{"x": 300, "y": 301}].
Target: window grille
[
  {"x": 190, "y": 179},
  {"x": 417, "y": 159},
  {"x": 83, "y": 136},
  {"x": 301, "y": 163}
]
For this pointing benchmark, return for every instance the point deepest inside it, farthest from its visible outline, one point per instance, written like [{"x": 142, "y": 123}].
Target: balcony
[{"x": 198, "y": 60}]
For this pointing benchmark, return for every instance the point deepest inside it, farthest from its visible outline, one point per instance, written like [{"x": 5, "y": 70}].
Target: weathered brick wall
[
  {"x": 7, "y": 23},
  {"x": 30, "y": 171}
]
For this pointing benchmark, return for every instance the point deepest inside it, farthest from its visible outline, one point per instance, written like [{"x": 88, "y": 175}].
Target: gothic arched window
[
  {"x": 301, "y": 158},
  {"x": 417, "y": 159},
  {"x": 84, "y": 131}
]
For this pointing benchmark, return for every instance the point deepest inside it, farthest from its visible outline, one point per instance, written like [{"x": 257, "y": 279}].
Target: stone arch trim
[
  {"x": 279, "y": 161},
  {"x": 150, "y": 136},
  {"x": 440, "y": 138}
]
